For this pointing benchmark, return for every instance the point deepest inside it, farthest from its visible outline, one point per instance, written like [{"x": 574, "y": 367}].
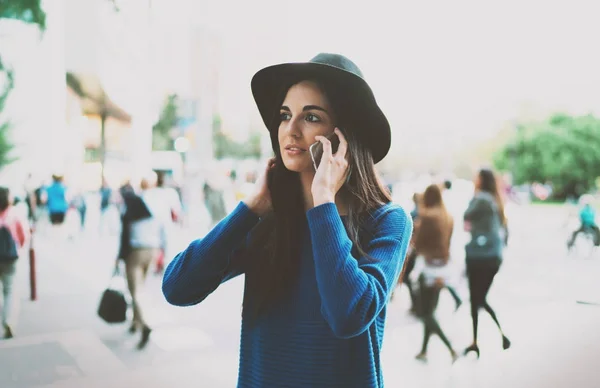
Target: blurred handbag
[{"x": 113, "y": 304}]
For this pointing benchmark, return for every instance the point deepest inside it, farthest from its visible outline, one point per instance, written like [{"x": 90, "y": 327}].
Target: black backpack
[{"x": 8, "y": 246}]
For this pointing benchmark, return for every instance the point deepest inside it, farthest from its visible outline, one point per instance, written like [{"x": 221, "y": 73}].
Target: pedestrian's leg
[
  {"x": 455, "y": 296},
  {"x": 426, "y": 335},
  {"x": 413, "y": 295},
  {"x": 596, "y": 231},
  {"x": 476, "y": 293},
  {"x": 425, "y": 303},
  {"x": 487, "y": 276},
  {"x": 435, "y": 328},
  {"x": 82, "y": 214},
  {"x": 574, "y": 236},
  {"x": 410, "y": 266},
  {"x": 147, "y": 257},
  {"x": 134, "y": 281},
  {"x": 10, "y": 301},
  {"x": 489, "y": 310}
]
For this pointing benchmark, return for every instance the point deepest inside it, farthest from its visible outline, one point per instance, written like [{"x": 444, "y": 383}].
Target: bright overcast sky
[{"x": 439, "y": 69}]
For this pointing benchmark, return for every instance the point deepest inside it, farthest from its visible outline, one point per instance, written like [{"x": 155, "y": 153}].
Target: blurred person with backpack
[{"x": 14, "y": 232}]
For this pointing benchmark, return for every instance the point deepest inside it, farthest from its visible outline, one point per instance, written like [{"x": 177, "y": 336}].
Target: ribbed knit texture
[{"x": 329, "y": 332}]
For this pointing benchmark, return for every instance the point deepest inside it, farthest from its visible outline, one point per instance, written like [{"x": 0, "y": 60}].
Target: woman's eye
[
  {"x": 283, "y": 116},
  {"x": 312, "y": 118}
]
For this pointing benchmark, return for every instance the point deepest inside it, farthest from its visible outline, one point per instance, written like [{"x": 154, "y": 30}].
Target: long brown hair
[
  {"x": 276, "y": 243},
  {"x": 432, "y": 197},
  {"x": 489, "y": 184},
  {"x": 435, "y": 224}
]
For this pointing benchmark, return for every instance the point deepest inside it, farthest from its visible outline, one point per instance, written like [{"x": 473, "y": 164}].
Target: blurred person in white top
[
  {"x": 165, "y": 205},
  {"x": 170, "y": 202}
]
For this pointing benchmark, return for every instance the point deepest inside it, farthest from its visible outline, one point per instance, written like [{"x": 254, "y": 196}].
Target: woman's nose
[{"x": 293, "y": 129}]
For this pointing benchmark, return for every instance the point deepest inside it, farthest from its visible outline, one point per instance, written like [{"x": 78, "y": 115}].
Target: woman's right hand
[{"x": 260, "y": 200}]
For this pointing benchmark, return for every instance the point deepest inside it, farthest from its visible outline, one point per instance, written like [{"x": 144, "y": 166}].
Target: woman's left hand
[{"x": 332, "y": 171}]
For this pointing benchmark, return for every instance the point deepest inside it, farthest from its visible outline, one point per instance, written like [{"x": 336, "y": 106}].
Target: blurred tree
[
  {"x": 564, "y": 151},
  {"x": 162, "y": 139},
  {"x": 225, "y": 147},
  {"x": 27, "y": 11},
  {"x": 5, "y": 145}
]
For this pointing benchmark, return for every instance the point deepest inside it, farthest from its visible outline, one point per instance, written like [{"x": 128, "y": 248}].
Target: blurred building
[
  {"x": 37, "y": 105},
  {"x": 101, "y": 70}
]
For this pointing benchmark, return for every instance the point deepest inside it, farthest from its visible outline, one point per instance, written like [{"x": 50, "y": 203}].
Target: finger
[
  {"x": 327, "y": 154},
  {"x": 343, "y": 147}
]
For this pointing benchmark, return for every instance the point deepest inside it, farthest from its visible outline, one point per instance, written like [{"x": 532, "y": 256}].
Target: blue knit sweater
[{"x": 330, "y": 331}]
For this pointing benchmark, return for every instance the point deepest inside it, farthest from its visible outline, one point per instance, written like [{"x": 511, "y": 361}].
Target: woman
[
  {"x": 432, "y": 243},
  {"x": 321, "y": 250},
  {"x": 14, "y": 231},
  {"x": 486, "y": 221}
]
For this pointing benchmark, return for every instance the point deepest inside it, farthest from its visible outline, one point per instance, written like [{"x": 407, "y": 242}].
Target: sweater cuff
[
  {"x": 325, "y": 221},
  {"x": 244, "y": 217}
]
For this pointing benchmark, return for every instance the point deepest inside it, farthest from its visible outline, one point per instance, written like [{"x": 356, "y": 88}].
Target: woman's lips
[{"x": 294, "y": 150}]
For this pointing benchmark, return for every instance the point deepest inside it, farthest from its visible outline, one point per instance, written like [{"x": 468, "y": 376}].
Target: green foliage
[
  {"x": 27, "y": 11},
  {"x": 564, "y": 150},
  {"x": 225, "y": 147},
  {"x": 5, "y": 145},
  {"x": 161, "y": 131}
]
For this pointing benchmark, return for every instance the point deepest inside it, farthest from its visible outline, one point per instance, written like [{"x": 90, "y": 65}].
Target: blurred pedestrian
[
  {"x": 167, "y": 207},
  {"x": 79, "y": 203},
  {"x": 14, "y": 232},
  {"x": 29, "y": 188},
  {"x": 411, "y": 260},
  {"x": 485, "y": 220},
  {"x": 587, "y": 221},
  {"x": 321, "y": 245},
  {"x": 57, "y": 202},
  {"x": 142, "y": 240},
  {"x": 432, "y": 243},
  {"x": 106, "y": 199}
]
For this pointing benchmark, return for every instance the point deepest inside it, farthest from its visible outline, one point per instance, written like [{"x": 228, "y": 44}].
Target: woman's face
[{"x": 305, "y": 113}]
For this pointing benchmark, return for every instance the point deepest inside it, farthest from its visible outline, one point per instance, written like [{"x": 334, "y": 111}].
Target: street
[{"x": 547, "y": 301}]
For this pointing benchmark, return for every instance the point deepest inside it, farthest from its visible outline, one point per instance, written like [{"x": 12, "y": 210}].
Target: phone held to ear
[{"x": 316, "y": 149}]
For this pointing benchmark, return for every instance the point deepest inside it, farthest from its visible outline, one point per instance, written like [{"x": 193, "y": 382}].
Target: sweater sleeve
[
  {"x": 206, "y": 263},
  {"x": 354, "y": 290}
]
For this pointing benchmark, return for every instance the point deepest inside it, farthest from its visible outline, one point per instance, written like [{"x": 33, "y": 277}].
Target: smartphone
[{"x": 316, "y": 149}]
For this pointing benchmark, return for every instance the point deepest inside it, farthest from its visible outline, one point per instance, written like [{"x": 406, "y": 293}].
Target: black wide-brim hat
[{"x": 362, "y": 114}]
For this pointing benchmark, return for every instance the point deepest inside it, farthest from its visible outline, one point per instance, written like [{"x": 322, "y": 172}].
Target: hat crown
[{"x": 338, "y": 61}]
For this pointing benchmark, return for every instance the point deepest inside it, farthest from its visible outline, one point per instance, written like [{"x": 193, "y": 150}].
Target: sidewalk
[
  {"x": 554, "y": 345},
  {"x": 563, "y": 353},
  {"x": 60, "y": 341},
  {"x": 60, "y": 334}
]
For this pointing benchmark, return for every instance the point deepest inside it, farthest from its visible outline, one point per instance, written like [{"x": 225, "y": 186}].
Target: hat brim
[{"x": 371, "y": 127}]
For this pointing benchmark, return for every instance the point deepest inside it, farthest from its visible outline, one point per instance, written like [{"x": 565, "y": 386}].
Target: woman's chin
[{"x": 296, "y": 166}]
